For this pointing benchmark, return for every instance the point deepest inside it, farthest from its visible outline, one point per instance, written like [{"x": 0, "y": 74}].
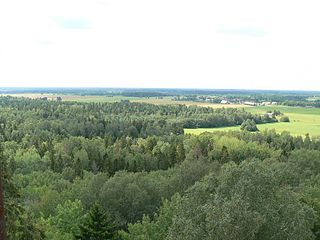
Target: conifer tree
[
  {"x": 97, "y": 225},
  {"x": 181, "y": 154},
  {"x": 225, "y": 157},
  {"x": 78, "y": 168},
  {"x": 2, "y": 219},
  {"x": 15, "y": 223}
]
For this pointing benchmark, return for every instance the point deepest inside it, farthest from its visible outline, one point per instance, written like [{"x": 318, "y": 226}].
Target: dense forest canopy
[{"x": 67, "y": 166}]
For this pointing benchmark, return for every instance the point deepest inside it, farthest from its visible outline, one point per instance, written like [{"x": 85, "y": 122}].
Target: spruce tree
[
  {"x": 181, "y": 154},
  {"x": 78, "y": 168},
  {"x": 97, "y": 225},
  {"x": 15, "y": 222},
  {"x": 2, "y": 218},
  {"x": 225, "y": 157}
]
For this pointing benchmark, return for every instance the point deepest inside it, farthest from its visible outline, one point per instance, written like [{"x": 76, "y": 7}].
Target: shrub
[
  {"x": 284, "y": 119},
  {"x": 249, "y": 125}
]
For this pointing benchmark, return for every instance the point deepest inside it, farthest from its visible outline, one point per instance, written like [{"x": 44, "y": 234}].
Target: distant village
[
  {"x": 221, "y": 100},
  {"x": 249, "y": 103}
]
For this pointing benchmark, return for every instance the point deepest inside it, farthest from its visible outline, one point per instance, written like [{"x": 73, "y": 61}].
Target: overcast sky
[{"x": 251, "y": 44}]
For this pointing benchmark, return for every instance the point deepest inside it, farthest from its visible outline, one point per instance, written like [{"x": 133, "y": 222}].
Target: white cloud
[
  {"x": 245, "y": 31},
  {"x": 71, "y": 23},
  {"x": 170, "y": 43}
]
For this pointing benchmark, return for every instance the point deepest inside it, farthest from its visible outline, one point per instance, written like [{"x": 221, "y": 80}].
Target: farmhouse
[
  {"x": 225, "y": 102},
  {"x": 266, "y": 103},
  {"x": 250, "y": 103}
]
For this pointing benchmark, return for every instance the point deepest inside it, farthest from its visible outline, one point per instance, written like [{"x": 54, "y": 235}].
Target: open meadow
[{"x": 302, "y": 121}]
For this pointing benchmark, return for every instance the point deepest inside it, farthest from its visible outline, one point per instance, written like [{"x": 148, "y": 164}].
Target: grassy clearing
[
  {"x": 296, "y": 129},
  {"x": 302, "y": 121},
  {"x": 287, "y": 110}
]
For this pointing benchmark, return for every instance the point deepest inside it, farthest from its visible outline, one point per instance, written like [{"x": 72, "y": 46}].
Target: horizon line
[{"x": 158, "y": 88}]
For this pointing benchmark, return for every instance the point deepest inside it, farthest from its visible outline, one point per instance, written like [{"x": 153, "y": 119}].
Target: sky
[{"x": 229, "y": 44}]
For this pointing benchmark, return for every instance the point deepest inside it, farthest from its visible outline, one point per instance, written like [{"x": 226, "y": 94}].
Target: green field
[{"x": 302, "y": 121}]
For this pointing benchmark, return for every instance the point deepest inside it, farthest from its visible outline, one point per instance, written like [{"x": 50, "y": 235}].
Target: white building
[
  {"x": 266, "y": 103},
  {"x": 250, "y": 103}
]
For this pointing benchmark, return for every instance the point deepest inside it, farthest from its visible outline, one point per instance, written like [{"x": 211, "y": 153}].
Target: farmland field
[
  {"x": 302, "y": 121},
  {"x": 76, "y": 98},
  {"x": 117, "y": 98}
]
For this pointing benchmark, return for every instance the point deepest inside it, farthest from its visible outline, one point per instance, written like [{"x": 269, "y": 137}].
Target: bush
[
  {"x": 284, "y": 119},
  {"x": 249, "y": 125}
]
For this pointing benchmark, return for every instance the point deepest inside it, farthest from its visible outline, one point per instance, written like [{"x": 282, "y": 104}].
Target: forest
[{"x": 127, "y": 170}]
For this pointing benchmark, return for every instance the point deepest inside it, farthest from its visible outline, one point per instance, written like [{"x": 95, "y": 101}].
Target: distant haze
[{"x": 231, "y": 44}]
